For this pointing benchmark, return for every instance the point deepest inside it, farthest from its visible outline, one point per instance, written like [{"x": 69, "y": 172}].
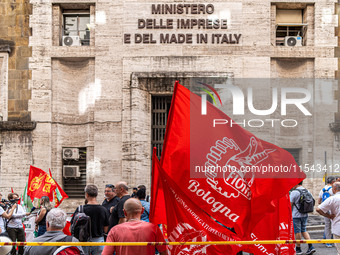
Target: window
[
  {"x": 290, "y": 29},
  {"x": 296, "y": 154},
  {"x": 160, "y": 112},
  {"x": 76, "y": 24},
  {"x": 71, "y": 24},
  {"x": 74, "y": 186},
  {"x": 292, "y": 24}
]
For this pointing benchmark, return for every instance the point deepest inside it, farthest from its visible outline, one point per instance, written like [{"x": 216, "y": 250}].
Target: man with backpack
[
  {"x": 302, "y": 202},
  {"x": 55, "y": 222},
  {"x": 90, "y": 221},
  {"x": 324, "y": 194}
]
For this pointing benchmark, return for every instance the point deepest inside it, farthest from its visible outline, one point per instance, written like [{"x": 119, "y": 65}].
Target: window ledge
[
  {"x": 73, "y": 51},
  {"x": 17, "y": 125}
]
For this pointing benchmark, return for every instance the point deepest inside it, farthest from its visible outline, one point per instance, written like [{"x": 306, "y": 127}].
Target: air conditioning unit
[
  {"x": 71, "y": 172},
  {"x": 70, "y": 153},
  {"x": 293, "y": 41},
  {"x": 71, "y": 41}
]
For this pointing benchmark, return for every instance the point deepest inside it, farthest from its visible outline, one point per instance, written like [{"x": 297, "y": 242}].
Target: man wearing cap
[{"x": 111, "y": 198}]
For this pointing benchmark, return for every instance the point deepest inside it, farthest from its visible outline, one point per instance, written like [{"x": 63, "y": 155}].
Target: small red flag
[
  {"x": 59, "y": 193},
  {"x": 157, "y": 204},
  {"x": 40, "y": 184}
]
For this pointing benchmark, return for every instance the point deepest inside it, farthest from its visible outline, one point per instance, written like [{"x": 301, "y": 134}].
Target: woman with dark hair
[{"x": 45, "y": 207}]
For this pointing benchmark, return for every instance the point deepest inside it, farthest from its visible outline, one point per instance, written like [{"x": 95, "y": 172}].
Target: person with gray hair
[
  {"x": 99, "y": 219},
  {"x": 330, "y": 208},
  {"x": 55, "y": 222},
  {"x": 117, "y": 213},
  {"x": 325, "y": 193}
]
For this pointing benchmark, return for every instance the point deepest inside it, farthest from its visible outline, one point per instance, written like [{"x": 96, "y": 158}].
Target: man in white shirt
[
  {"x": 324, "y": 194},
  {"x": 14, "y": 226},
  {"x": 330, "y": 208}
]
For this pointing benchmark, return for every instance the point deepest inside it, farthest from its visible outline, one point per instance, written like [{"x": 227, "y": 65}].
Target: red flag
[
  {"x": 40, "y": 184},
  {"x": 59, "y": 193},
  {"x": 236, "y": 198},
  {"x": 188, "y": 223},
  {"x": 281, "y": 228},
  {"x": 157, "y": 204},
  {"x": 12, "y": 191}
]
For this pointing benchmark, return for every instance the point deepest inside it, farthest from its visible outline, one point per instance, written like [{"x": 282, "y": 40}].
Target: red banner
[
  {"x": 188, "y": 223},
  {"x": 40, "y": 184},
  {"x": 235, "y": 198},
  {"x": 277, "y": 225}
]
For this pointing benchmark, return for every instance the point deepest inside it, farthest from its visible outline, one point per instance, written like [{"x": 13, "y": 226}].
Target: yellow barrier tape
[{"x": 167, "y": 243}]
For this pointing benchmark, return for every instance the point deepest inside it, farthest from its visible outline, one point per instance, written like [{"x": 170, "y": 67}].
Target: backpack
[
  {"x": 306, "y": 201},
  {"x": 81, "y": 226},
  {"x": 326, "y": 194},
  {"x": 67, "y": 250}
]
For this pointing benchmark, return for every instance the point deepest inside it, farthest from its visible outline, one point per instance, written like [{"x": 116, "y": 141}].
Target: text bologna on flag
[
  {"x": 40, "y": 184},
  {"x": 188, "y": 223},
  {"x": 236, "y": 199}
]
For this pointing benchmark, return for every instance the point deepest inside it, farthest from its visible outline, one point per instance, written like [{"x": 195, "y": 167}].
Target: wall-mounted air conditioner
[
  {"x": 70, "y": 153},
  {"x": 71, "y": 172},
  {"x": 293, "y": 41},
  {"x": 71, "y": 41}
]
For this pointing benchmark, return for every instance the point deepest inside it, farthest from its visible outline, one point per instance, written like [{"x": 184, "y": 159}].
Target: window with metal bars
[
  {"x": 160, "y": 112},
  {"x": 296, "y": 154},
  {"x": 74, "y": 187}
]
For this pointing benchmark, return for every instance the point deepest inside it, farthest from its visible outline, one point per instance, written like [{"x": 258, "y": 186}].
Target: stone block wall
[
  {"x": 98, "y": 96},
  {"x": 15, "y": 32}
]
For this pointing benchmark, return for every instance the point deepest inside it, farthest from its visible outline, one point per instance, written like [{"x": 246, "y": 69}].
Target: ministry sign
[{"x": 185, "y": 24}]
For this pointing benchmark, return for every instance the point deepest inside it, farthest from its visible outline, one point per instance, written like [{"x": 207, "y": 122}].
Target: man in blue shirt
[{"x": 141, "y": 196}]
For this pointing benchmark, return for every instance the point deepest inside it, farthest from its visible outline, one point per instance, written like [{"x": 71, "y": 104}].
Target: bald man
[
  {"x": 134, "y": 230},
  {"x": 117, "y": 214}
]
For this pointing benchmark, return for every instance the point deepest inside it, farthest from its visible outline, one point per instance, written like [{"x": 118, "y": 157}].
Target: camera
[
  {"x": 5, "y": 204},
  {"x": 14, "y": 201}
]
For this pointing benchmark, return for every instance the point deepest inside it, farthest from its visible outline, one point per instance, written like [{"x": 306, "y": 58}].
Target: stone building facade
[{"x": 98, "y": 72}]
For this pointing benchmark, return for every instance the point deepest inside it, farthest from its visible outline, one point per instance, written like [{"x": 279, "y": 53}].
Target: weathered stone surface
[
  {"x": 17, "y": 125},
  {"x": 99, "y": 96}
]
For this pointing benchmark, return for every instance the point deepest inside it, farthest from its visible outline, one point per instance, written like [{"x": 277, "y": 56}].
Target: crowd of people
[
  {"x": 122, "y": 217},
  {"x": 328, "y": 207}
]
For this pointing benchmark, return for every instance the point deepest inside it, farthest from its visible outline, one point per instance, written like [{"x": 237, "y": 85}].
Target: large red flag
[
  {"x": 236, "y": 198},
  {"x": 188, "y": 223},
  {"x": 40, "y": 184}
]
